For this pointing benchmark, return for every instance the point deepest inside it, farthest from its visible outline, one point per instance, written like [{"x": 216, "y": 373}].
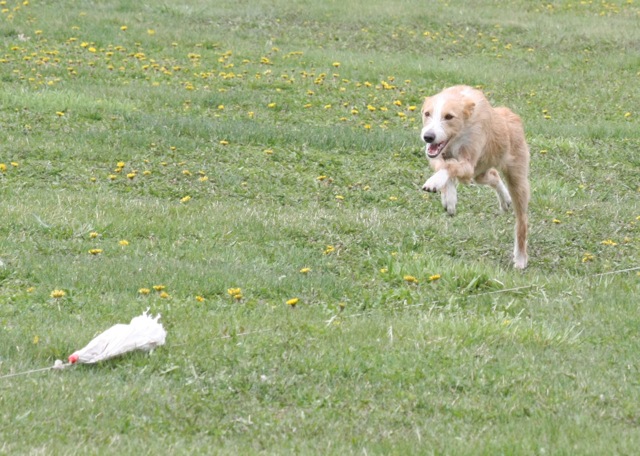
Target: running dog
[{"x": 467, "y": 140}]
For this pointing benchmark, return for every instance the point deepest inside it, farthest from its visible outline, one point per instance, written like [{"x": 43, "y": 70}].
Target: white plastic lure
[{"x": 143, "y": 333}]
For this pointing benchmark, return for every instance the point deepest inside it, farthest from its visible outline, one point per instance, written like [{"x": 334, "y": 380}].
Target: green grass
[{"x": 292, "y": 127}]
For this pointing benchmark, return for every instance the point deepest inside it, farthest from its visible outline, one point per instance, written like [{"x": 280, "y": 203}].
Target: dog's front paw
[
  {"x": 449, "y": 197},
  {"x": 436, "y": 182}
]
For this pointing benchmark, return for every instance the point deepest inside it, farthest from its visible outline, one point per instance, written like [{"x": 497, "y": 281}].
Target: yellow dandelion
[
  {"x": 123, "y": 28},
  {"x": 159, "y": 287},
  {"x": 151, "y": 32},
  {"x": 321, "y": 178},
  {"x": 410, "y": 279},
  {"x": 384, "y": 270},
  {"x": 131, "y": 175},
  {"x": 59, "y": 113},
  {"x": 164, "y": 295},
  {"x": 393, "y": 198},
  {"x": 123, "y": 243},
  {"x": 31, "y": 289},
  {"x": 95, "y": 251},
  {"x": 185, "y": 199},
  {"x": 305, "y": 270},
  {"x": 224, "y": 142},
  {"x": 336, "y": 64},
  {"x": 144, "y": 291},
  {"x": 3, "y": 168},
  {"x": 235, "y": 293},
  {"x": 434, "y": 277},
  {"x": 203, "y": 178},
  {"x": 200, "y": 298},
  {"x": 609, "y": 242},
  {"x": 292, "y": 302},
  {"x": 556, "y": 221},
  {"x": 57, "y": 294},
  {"x": 36, "y": 340},
  {"x": 330, "y": 249},
  {"x": 93, "y": 235},
  {"x": 587, "y": 257},
  {"x": 112, "y": 177},
  {"x": 271, "y": 105},
  {"x": 15, "y": 164},
  {"x": 339, "y": 197}
]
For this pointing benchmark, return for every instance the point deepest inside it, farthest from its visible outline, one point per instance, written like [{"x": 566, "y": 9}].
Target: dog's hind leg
[
  {"x": 492, "y": 179},
  {"x": 518, "y": 185}
]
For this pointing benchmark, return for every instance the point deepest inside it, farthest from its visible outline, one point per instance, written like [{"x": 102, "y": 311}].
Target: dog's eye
[
  {"x": 448, "y": 117},
  {"x": 427, "y": 114}
]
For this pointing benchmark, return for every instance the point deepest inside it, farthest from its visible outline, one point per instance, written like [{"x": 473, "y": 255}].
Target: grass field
[{"x": 214, "y": 161}]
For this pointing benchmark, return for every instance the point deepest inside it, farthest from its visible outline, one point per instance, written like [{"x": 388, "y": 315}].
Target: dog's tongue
[{"x": 434, "y": 149}]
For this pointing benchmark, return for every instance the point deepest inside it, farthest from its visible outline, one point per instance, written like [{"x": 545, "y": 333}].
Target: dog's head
[{"x": 443, "y": 117}]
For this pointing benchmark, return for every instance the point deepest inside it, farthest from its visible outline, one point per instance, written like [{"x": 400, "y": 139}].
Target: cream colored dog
[{"x": 467, "y": 139}]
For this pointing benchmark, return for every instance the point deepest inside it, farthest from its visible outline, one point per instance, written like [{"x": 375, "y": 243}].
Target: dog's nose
[{"x": 429, "y": 138}]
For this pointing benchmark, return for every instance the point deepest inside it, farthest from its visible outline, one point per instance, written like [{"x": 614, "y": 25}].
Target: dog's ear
[{"x": 469, "y": 106}]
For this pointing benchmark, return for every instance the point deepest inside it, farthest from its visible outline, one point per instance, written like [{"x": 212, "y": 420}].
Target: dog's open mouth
[{"x": 434, "y": 149}]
